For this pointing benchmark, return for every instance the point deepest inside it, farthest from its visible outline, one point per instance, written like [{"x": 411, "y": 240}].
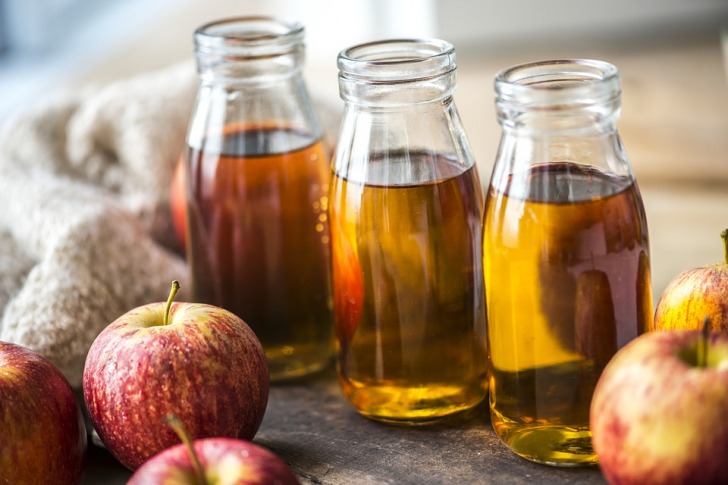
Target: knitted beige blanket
[{"x": 85, "y": 224}]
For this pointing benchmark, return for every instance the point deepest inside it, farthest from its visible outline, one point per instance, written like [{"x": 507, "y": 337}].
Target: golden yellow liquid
[
  {"x": 408, "y": 296},
  {"x": 567, "y": 284}
]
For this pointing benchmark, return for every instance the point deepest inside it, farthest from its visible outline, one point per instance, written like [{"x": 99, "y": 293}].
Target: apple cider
[
  {"x": 259, "y": 239},
  {"x": 567, "y": 284},
  {"x": 408, "y": 293}
]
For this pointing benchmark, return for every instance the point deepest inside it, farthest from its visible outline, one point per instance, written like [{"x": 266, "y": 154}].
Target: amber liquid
[
  {"x": 408, "y": 295},
  {"x": 567, "y": 284},
  {"x": 259, "y": 240}
]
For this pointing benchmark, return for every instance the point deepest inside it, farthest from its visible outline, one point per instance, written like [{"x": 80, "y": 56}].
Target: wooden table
[{"x": 311, "y": 426}]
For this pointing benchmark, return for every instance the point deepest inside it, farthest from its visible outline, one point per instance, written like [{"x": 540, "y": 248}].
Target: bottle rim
[
  {"x": 558, "y": 82},
  {"x": 397, "y": 60},
  {"x": 249, "y": 36}
]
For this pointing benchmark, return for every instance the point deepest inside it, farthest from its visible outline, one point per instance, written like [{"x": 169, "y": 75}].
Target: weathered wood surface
[{"x": 312, "y": 427}]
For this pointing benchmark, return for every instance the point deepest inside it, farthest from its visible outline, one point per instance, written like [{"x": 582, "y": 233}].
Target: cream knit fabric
[{"x": 85, "y": 226}]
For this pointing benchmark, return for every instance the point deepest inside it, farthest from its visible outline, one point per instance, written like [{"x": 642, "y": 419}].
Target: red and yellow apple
[
  {"x": 695, "y": 294},
  {"x": 42, "y": 431},
  {"x": 199, "y": 362},
  {"x": 211, "y": 461},
  {"x": 658, "y": 414}
]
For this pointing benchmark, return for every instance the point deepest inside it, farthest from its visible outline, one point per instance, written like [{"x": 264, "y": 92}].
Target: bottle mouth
[
  {"x": 397, "y": 72},
  {"x": 249, "y": 37},
  {"x": 558, "y": 82},
  {"x": 397, "y": 60}
]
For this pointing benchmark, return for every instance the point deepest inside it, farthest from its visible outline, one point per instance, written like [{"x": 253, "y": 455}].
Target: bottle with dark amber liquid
[
  {"x": 566, "y": 255},
  {"x": 258, "y": 175},
  {"x": 406, "y": 208}
]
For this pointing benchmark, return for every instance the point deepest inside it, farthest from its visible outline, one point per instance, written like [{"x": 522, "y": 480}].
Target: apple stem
[
  {"x": 172, "y": 293},
  {"x": 724, "y": 236},
  {"x": 703, "y": 347},
  {"x": 176, "y": 425}
]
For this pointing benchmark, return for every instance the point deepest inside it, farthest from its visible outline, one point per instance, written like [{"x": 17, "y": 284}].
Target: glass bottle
[
  {"x": 406, "y": 211},
  {"x": 566, "y": 256},
  {"x": 257, "y": 183}
]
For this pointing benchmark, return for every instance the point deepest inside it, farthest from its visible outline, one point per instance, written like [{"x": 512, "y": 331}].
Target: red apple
[
  {"x": 659, "y": 407},
  {"x": 199, "y": 362},
  {"x": 42, "y": 432},
  {"x": 694, "y": 294},
  {"x": 178, "y": 203},
  {"x": 213, "y": 460}
]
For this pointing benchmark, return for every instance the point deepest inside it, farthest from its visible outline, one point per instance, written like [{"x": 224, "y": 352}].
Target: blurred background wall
[{"x": 47, "y": 44}]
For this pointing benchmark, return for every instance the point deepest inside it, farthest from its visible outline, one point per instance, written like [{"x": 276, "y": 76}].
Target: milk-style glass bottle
[
  {"x": 566, "y": 256},
  {"x": 405, "y": 209},
  {"x": 257, "y": 183}
]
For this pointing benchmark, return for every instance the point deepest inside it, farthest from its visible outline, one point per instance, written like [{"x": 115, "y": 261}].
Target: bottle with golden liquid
[
  {"x": 257, "y": 182},
  {"x": 566, "y": 255},
  {"x": 406, "y": 210}
]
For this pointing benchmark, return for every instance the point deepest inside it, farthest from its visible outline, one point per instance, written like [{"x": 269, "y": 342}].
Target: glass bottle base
[
  {"x": 292, "y": 362},
  {"x": 556, "y": 445},
  {"x": 412, "y": 406}
]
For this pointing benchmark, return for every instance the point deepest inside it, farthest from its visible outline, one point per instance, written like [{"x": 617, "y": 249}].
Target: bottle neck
[
  {"x": 559, "y": 113},
  {"x": 595, "y": 119},
  {"x": 249, "y": 50},
  {"x": 559, "y": 98},
  {"x": 399, "y": 95},
  {"x": 396, "y": 74},
  {"x": 250, "y": 70},
  {"x": 400, "y": 124},
  {"x": 218, "y": 68}
]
